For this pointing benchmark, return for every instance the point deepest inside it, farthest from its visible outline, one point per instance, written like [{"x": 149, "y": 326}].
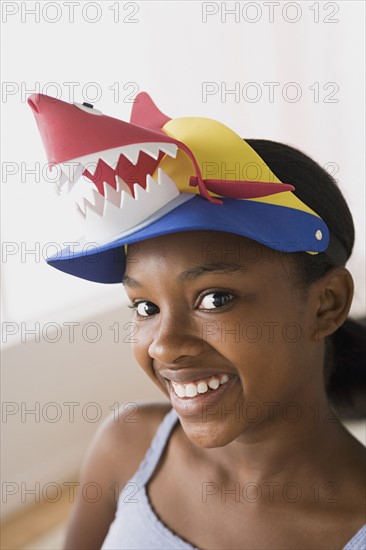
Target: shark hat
[{"x": 154, "y": 175}]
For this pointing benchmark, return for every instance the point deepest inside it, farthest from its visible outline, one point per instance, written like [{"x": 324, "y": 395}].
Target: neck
[{"x": 291, "y": 440}]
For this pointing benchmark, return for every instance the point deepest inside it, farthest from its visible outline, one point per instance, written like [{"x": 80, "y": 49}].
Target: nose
[{"x": 176, "y": 339}]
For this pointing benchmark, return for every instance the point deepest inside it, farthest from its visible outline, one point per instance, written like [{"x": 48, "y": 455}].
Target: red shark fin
[{"x": 145, "y": 113}]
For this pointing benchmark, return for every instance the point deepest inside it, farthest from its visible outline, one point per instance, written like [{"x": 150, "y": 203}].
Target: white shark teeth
[
  {"x": 138, "y": 192},
  {"x": 169, "y": 148},
  {"x": 61, "y": 181},
  {"x": 132, "y": 152},
  {"x": 118, "y": 210},
  {"x": 127, "y": 201},
  {"x": 71, "y": 171},
  {"x": 110, "y": 156},
  {"x": 164, "y": 180},
  {"x": 151, "y": 149},
  {"x": 113, "y": 195},
  {"x": 116, "y": 218},
  {"x": 96, "y": 204},
  {"x": 93, "y": 199},
  {"x": 122, "y": 185}
]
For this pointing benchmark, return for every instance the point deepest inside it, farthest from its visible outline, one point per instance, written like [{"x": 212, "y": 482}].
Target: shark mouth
[
  {"x": 117, "y": 194},
  {"x": 122, "y": 162}
]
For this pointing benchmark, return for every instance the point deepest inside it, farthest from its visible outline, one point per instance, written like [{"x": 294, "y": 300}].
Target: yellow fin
[{"x": 220, "y": 154}]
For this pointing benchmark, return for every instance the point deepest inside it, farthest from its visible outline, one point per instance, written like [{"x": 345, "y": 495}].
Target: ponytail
[{"x": 345, "y": 372}]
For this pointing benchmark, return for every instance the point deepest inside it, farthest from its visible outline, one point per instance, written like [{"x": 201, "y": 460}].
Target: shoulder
[
  {"x": 125, "y": 436},
  {"x": 120, "y": 443},
  {"x": 114, "y": 455}
]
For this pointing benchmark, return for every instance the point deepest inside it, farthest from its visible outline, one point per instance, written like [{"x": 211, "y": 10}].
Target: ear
[{"x": 333, "y": 301}]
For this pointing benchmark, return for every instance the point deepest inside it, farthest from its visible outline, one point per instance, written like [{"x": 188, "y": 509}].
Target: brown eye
[
  {"x": 144, "y": 308},
  {"x": 215, "y": 300}
]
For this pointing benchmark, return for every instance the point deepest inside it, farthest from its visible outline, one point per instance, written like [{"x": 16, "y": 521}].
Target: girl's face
[{"x": 209, "y": 303}]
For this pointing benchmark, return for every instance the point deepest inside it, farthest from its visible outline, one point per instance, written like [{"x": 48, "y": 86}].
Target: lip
[
  {"x": 186, "y": 406},
  {"x": 191, "y": 375}
]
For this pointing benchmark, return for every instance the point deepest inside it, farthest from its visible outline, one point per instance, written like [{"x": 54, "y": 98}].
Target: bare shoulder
[
  {"x": 114, "y": 455},
  {"x": 126, "y": 435}
]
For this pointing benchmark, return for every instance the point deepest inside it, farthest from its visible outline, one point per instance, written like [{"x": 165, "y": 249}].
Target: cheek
[
  {"x": 139, "y": 350},
  {"x": 268, "y": 347}
]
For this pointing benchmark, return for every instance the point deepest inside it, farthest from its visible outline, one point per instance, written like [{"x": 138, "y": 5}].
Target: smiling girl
[{"x": 243, "y": 325}]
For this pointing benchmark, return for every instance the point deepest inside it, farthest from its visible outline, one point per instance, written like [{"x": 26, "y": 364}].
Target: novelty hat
[{"x": 155, "y": 175}]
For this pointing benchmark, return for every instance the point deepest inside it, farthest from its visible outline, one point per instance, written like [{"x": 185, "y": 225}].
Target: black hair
[{"x": 345, "y": 350}]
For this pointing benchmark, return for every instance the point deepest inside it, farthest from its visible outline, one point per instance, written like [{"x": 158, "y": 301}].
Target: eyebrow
[{"x": 195, "y": 272}]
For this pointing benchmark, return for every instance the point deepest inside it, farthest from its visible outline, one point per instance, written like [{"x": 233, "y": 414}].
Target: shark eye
[{"x": 88, "y": 108}]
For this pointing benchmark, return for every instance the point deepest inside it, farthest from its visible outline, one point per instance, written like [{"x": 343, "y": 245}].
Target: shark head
[{"x": 125, "y": 176}]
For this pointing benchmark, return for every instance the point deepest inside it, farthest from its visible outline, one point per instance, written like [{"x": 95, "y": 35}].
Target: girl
[{"x": 249, "y": 339}]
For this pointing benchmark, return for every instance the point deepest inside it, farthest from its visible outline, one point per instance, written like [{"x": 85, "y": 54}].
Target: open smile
[{"x": 200, "y": 393}]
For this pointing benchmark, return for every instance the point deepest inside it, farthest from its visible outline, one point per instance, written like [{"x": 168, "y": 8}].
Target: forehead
[{"x": 178, "y": 251}]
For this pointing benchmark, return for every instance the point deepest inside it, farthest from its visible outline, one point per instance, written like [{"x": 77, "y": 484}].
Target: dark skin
[{"x": 297, "y": 471}]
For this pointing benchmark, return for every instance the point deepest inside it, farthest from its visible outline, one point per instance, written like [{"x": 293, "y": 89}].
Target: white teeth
[
  {"x": 110, "y": 156},
  {"x": 150, "y": 183},
  {"x": 126, "y": 201},
  {"x": 122, "y": 186},
  {"x": 164, "y": 179},
  {"x": 61, "y": 178},
  {"x": 89, "y": 196},
  {"x": 202, "y": 387},
  {"x": 191, "y": 390},
  {"x": 151, "y": 149},
  {"x": 70, "y": 173},
  {"x": 112, "y": 195},
  {"x": 96, "y": 205},
  {"x": 169, "y": 148},
  {"x": 138, "y": 191},
  {"x": 102, "y": 223},
  {"x": 71, "y": 170},
  {"x": 214, "y": 384},
  {"x": 131, "y": 152},
  {"x": 194, "y": 388},
  {"x": 179, "y": 390},
  {"x": 123, "y": 209}
]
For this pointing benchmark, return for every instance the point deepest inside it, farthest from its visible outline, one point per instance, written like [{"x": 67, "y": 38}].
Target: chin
[{"x": 210, "y": 435}]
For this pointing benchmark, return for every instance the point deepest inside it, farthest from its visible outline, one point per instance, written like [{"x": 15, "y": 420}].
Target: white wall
[{"x": 174, "y": 51}]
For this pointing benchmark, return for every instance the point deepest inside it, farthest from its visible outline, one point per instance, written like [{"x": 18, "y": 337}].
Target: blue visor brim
[{"x": 278, "y": 227}]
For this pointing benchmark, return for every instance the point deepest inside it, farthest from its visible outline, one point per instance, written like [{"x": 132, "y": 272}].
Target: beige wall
[{"x": 45, "y": 377}]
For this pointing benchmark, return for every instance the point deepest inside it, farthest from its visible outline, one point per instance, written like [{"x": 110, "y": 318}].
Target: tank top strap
[{"x": 157, "y": 446}]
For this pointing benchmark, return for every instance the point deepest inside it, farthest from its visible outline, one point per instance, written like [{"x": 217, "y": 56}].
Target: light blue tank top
[{"x": 137, "y": 527}]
